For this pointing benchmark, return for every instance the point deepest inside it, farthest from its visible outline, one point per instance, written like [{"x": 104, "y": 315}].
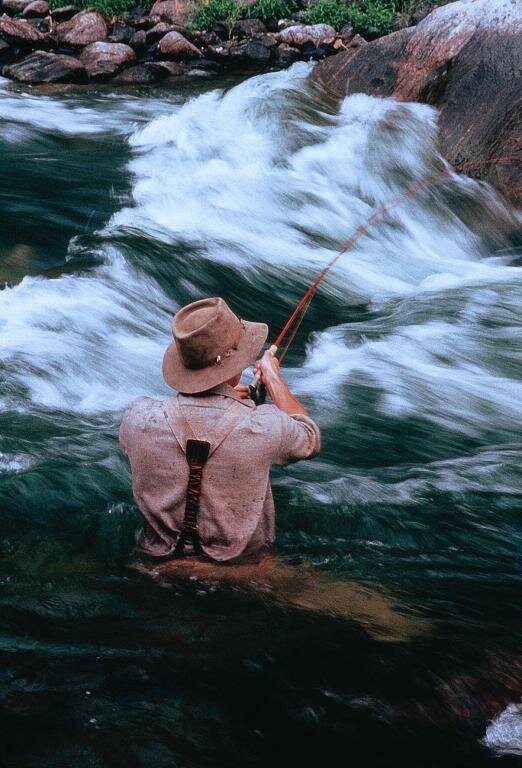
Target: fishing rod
[{"x": 257, "y": 388}]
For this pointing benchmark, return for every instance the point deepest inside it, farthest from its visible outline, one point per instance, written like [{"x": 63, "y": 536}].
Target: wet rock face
[
  {"x": 20, "y": 33},
  {"x": 103, "y": 60},
  {"x": 463, "y": 58},
  {"x": 43, "y": 67},
  {"x": 82, "y": 29}
]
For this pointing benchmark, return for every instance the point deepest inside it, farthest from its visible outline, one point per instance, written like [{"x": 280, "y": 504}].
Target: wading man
[{"x": 200, "y": 461}]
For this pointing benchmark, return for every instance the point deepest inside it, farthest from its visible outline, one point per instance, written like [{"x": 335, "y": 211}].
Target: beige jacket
[{"x": 236, "y": 517}]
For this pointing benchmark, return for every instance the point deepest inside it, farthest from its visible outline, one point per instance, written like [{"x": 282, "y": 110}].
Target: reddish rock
[
  {"x": 20, "y": 33},
  {"x": 139, "y": 41},
  {"x": 463, "y": 58},
  {"x": 82, "y": 29},
  {"x": 37, "y": 9},
  {"x": 301, "y": 34},
  {"x": 140, "y": 74},
  {"x": 103, "y": 60},
  {"x": 43, "y": 67},
  {"x": 174, "y": 46},
  {"x": 174, "y": 11},
  {"x": 121, "y": 33},
  {"x": 158, "y": 31}
]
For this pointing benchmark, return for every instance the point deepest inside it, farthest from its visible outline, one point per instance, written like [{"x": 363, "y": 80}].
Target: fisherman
[{"x": 200, "y": 460}]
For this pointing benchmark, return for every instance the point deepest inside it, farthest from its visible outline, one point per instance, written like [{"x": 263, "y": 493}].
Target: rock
[
  {"x": 36, "y": 9},
  {"x": 4, "y": 47},
  {"x": 346, "y": 33},
  {"x": 14, "y": 7},
  {"x": 221, "y": 29},
  {"x": 463, "y": 58},
  {"x": 174, "y": 46},
  {"x": 286, "y": 54},
  {"x": 254, "y": 51},
  {"x": 64, "y": 13},
  {"x": 158, "y": 31},
  {"x": 421, "y": 12},
  {"x": 173, "y": 11},
  {"x": 103, "y": 60},
  {"x": 121, "y": 33},
  {"x": 20, "y": 33},
  {"x": 141, "y": 74},
  {"x": 170, "y": 68},
  {"x": 42, "y": 25},
  {"x": 248, "y": 28},
  {"x": 45, "y": 67},
  {"x": 301, "y": 34},
  {"x": 139, "y": 41},
  {"x": 82, "y": 29}
]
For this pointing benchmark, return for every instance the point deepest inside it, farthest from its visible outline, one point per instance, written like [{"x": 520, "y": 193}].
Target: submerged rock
[
  {"x": 464, "y": 58},
  {"x": 82, "y": 29},
  {"x": 102, "y": 60},
  {"x": 45, "y": 67},
  {"x": 174, "y": 46}
]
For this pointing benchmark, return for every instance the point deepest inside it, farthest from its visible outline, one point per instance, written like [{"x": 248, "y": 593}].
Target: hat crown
[{"x": 205, "y": 332}]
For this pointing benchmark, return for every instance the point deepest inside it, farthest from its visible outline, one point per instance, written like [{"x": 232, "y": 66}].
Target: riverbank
[{"x": 40, "y": 44}]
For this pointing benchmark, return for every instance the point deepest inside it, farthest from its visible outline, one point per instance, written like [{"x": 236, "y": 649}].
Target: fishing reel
[{"x": 257, "y": 389}]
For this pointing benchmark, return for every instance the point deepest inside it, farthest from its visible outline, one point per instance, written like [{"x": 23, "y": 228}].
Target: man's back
[{"x": 236, "y": 511}]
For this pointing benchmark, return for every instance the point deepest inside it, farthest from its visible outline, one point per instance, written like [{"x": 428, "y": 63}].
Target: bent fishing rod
[{"x": 257, "y": 388}]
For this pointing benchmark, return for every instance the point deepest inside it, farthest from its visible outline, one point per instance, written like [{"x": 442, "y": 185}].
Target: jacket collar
[{"x": 224, "y": 390}]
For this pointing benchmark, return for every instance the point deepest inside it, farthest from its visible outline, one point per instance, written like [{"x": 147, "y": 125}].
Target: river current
[{"x": 119, "y": 207}]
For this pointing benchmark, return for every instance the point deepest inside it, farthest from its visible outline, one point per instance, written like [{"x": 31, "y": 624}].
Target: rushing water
[{"x": 117, "y": 208}]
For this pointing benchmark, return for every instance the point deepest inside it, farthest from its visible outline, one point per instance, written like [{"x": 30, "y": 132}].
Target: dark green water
[{"x": 116, "y": 209}]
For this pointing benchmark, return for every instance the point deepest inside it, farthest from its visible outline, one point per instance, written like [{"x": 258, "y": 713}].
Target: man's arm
[{"x": 277, "y": 387}]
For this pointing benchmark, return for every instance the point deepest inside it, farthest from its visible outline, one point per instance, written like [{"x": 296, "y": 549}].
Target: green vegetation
[
  {"x": 362, "y": 15},
  {"x": 111, "y": 9}
]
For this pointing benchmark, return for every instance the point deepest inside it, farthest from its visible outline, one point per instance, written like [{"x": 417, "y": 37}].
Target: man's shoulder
[{"x": 142, "y": 408}]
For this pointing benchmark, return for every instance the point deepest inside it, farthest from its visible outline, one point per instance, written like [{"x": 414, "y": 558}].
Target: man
[{"x": 200, "y": 461}]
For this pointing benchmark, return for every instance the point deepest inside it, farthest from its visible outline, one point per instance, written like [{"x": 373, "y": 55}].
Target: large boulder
[
  {"x": 463, "y": 58},
  {"x": 82, "y": 29},
  {"x": 21, "y": 34},
  {"x": 173, "y": 11},
  {"x": 43, "y": 67},
  {"x": 103, "y": 60},
  {"x": 65, "y": 12},
  {"x": 174, "y": 46}
]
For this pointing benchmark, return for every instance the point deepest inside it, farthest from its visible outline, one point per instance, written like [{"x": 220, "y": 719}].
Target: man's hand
[
  {"x": 243, "y": 390},
  {"x": 268, "y": 369}
]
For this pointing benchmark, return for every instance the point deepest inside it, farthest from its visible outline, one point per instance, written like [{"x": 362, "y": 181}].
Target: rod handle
[{"x": 257, "y": 388}]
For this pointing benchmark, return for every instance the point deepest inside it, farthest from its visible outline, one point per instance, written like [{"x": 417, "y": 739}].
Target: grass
[{"x": 375, "y": 16}]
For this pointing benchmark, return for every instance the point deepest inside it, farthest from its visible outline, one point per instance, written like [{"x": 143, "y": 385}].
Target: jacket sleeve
[
  {"x": 130, "y": 421},
  {"x": 300, "y": 438}
]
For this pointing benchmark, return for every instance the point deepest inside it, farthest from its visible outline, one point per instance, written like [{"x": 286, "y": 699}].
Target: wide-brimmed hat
[{"x": 211, "y": 345}]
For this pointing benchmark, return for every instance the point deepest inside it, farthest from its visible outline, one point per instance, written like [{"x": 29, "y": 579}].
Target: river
[{"x": 117, "y": 208}]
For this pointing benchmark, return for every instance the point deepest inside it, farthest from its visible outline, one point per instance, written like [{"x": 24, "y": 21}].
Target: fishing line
[{"x": 292, "y": 325}]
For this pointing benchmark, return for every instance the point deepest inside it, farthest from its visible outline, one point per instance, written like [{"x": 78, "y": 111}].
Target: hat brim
[{"x": 191, "y": 380}]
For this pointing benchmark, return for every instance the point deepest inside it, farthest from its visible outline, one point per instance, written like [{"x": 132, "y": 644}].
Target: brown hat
[{"x": 211, "y": 344}]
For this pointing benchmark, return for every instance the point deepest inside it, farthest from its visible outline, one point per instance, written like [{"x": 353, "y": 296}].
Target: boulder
[
  {"x": 14, "y": 7},
  {"x": 103, "y": 60},
  {"x": 64, "y": 13},
  {"x": 43, "y": 26},
  {"x": 21, "y": 34},
  {"x": 301, "y": 34},
  {"x": 286, "y": 54},
  {"x": 173, "y": 11},
  {"x": 464, "y": 58},
  {"x": 174, "y": 46},
  {"x": 44, "y": 67},
  {"x": 121, "y": 33},
  {"x": 37, "y": 9},
  {"x": 141, "y": 74},
  {"x": 4, "y": 47},
  {"x": 159, "y": 30},
  {"x": 139, "y": 41},
  {"x": 82, "y": 29},
  {"x": 170, "y": 68},
  {"x": 254, "y": 51},
  {"x": 248, "y": 28}
]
